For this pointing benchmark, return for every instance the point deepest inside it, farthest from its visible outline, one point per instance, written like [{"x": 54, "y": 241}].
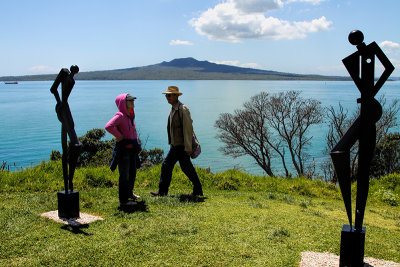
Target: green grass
[{"x": 244, "y": 221}]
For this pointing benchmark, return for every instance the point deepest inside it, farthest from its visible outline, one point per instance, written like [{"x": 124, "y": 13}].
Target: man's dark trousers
[{"x": 177, "y": 153}]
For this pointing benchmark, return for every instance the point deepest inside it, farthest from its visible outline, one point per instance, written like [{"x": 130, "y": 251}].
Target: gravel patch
[
  {"x": 84, "y": 218},
  {"x": 317, "y": 259}
]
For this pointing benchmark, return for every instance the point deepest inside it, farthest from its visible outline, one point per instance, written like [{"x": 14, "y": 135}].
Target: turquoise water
[{"x": 29, "y": 128}]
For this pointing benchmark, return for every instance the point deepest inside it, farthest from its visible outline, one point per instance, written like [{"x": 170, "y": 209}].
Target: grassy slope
[{"x": 245, "y": 220}]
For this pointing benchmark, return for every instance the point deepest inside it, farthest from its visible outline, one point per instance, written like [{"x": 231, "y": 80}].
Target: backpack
[{"x": 196, "y": 148}]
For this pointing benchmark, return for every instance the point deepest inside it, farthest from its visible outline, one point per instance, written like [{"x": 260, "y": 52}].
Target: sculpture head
[
  {"x": 356, "y": 37},
  {"x": 74, "y": 69}
]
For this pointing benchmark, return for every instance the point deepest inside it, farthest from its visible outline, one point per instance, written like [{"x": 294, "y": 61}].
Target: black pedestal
[
  {"x": 68, "y": 204},
  {"x": 352, "y": 247}
]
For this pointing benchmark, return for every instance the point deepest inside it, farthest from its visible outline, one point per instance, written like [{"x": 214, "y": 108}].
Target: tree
[
  {"x": 339, "y": 121},
  {"x": 387, "y": 156},
  {"x": 267, "y": 126},
  {"x": 291, "y": 117},
  {"x": 245, "y": 132}
]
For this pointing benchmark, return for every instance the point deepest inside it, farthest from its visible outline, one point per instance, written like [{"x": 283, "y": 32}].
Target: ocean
[{"x": 30, "y": 130}]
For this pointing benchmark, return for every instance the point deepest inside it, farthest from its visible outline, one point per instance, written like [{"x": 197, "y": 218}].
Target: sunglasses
[{"x": 169, "y": 95}]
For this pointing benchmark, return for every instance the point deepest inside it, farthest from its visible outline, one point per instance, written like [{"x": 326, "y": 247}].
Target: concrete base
[
  {"x": 68, "y": 204},
  {"x": 84, "y": 219},
  {"x": 326, "y": 259},
  {"x": 352, "y": 247}
]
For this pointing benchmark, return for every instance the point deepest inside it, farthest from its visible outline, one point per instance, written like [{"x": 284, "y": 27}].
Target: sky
[{"x": 296, "y": 36}]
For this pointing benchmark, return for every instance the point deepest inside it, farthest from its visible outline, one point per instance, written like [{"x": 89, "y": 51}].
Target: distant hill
[{"x": 182, "y": 69}]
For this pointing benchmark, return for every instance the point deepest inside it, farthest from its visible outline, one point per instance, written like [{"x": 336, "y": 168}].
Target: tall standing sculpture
[
  {"x": 361, "y": 67},
  {"x": 68, "y": 200}
]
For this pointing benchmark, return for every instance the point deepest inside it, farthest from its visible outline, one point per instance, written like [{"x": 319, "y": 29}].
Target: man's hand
[{"x": 120, "y": 138}]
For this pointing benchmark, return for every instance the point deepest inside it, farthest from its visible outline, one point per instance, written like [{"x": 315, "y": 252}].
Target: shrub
[
  {"x": 388, "y": 197},
  {"x": 387, "y": 156},
  {"x": 302, "y": 186},
  {"x": 228, "y": 185},
  {"x": 391, "y": 181},
  {"x": 151, "y": 157},
  {"x": 102, "y": 158},
  {"x": 91, "y": 145},
  {"x": 95, "y": 178},
  {"x": 55, "y": 155}
]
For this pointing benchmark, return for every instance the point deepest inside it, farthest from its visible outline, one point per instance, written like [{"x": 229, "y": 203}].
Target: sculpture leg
[
  {"x": 74, "y": 150},
  {"x": 366, "y": 153},
  {"x": 74, "y": 146},
  {"x": 340, "y": 155},
  {"x": 69, "y": 124},
  {"x": 341, "y": 163},
  {"x": 371, "y": 112},
  {"x": 64, "y": 157}
]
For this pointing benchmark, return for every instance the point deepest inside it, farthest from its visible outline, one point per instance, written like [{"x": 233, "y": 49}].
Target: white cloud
[
  {"x": 395, "y": 62},
  {"x": 390, "y": 47},
  {"x": 235, "y": 20},
  {"x": 257, "y": 6},
  {"x": 42, "y": 69},
  {"x": 227, "y": 62},
  {"x": 238, "y": 64},
  {"x": 250, "y": 65},
  {"x": 313, "y": 2},
  {"x": 179, "y": 42}
]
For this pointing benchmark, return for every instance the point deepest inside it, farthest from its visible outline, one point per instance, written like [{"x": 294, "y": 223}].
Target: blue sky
[{"x": 298, "y": 36}]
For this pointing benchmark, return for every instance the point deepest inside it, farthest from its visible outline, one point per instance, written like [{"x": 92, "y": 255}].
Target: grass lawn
[{"x": 232, "y": 227}]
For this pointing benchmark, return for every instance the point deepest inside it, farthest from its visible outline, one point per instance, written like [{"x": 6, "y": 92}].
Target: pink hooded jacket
[{"x": 122, "y": 124}]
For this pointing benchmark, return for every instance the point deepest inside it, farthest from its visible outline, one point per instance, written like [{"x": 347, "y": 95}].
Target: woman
[{"x": 127, "y": 148}]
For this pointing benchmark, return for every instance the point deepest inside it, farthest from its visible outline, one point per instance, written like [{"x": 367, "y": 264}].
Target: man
[{"x": 180, "y": 133}]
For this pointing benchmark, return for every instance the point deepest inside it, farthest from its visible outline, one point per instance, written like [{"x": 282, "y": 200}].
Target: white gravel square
[
  {"x": 84, "y": 218},
  {"x": 317, "y": 259}
]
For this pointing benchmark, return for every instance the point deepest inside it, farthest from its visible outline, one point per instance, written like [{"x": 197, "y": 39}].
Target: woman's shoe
[{"x": 157, "y": 194}]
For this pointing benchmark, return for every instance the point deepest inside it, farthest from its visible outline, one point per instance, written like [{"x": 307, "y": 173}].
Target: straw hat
[{"x": 172, "y": 90}]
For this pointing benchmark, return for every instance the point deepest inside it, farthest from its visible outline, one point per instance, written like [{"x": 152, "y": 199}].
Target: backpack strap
[{"x": 181, "y": 120}]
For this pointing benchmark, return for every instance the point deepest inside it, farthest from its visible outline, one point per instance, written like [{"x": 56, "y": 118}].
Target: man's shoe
[
  {"x": 135, "y": 197},
  {"x": 129, "y": 203},
  {"x": 197, "y": 194},
  {"x": 157, "y": 194}
]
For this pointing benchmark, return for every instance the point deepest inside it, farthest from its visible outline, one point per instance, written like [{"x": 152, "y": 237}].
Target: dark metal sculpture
[
  {"x": 67, "y": 200},
  {"x": 361, "y": 67}
]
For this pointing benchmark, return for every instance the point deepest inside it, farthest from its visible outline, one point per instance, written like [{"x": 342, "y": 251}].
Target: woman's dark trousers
[{"x": 127, "y": 175}]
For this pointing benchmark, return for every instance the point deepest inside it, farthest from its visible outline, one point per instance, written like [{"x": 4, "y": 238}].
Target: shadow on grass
[
  {"x": 76, "y": 229},
  {"x": 191, "y": 198},
  {"x": 139, "y": 206}
]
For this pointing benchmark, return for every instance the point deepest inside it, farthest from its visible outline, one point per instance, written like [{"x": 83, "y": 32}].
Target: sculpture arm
[
  {"x": 60, "y": 78},
  {"x": 353, "y": 68},
  {"x": 389, "y": 68}
]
